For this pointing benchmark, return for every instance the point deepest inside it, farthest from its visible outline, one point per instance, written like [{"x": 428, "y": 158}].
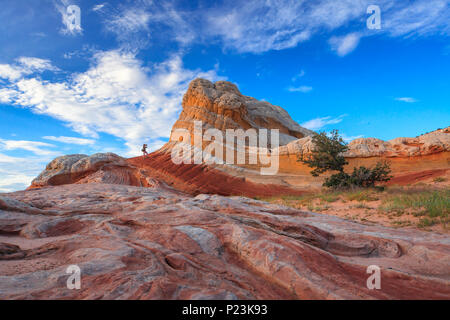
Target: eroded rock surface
[
  {"x": 431, "y": 143},
  {"x": 97, "y": 168},
  {"x": 221, "y": 105},
  {"x": 154, "y": 243}
]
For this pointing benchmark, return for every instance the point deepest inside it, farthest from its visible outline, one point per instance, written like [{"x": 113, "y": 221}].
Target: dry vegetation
[{"x": 414, "y": 206}]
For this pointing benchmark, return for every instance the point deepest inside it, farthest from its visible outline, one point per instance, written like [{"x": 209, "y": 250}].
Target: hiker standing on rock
[{"x": 144, "y": 150}]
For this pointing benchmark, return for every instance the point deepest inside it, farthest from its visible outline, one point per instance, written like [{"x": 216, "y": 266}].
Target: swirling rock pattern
[{"x": 155, "y": 243}]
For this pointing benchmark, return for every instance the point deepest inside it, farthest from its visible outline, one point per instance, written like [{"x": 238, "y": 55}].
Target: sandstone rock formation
[
  {"x": 100, "y": 167},
  {"x": 220, "y": 105},
  {"x": 154, "y": 243},
  {"x": 412, "y": 160},
  {"x": 431, "y": 143},
  {"x": 157, "y": 169}
]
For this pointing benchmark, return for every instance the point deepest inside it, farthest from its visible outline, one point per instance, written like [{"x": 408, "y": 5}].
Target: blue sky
[{"x": 115, "y": 81}]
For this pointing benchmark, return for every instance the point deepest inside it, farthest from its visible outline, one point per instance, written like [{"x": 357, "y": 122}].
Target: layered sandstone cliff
[
  {"x": 427, "y": 144},
  {"x": 221, "y": 105},
  {"x": 98, "y": 168}
]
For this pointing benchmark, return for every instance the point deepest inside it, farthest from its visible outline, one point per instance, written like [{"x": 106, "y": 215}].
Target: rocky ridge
[{"x": 431, "y": 143}]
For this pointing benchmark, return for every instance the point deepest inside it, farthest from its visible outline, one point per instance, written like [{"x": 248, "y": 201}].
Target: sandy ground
[
  {"x": 368, "y": 212},
  {"x": 373, "y": 211}
]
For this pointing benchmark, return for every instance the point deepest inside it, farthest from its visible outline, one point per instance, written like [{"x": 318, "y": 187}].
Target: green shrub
[
  {"x": 327, "y": 155},
  {"x": 361, "y": 177}
]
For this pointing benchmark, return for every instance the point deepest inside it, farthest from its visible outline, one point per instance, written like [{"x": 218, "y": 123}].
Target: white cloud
[
  {"x": 406, "y": 99},
  {"x": 25, "y": 66},
  {"x": 301, "y": 74},
  {"x": 417, "y": 18},
  {"x": 350, "y": 138},
  {"x": 14, "y": 180},
  {"x": 117, "y": 95},
  {"x": 129, "y": 21},
  {"x": 303, "y": 89},
  {"x": 6, "y": 95},
  {"x": 319, "y": 123},
  {"x": 98, "y": 7},
  {"x": 16, "y": 173},
  {"x": 258, "y": 26},
  {"x": 70, "y": 140},
  {"x": 133, "y": 25},
  {"x": 10, "y": 72},
  {"x": 344, "y": 45},
  {"x": 37, "y": 147},
  {"x": 8, "y": 159},
  {"x": 32, "y": 64}
]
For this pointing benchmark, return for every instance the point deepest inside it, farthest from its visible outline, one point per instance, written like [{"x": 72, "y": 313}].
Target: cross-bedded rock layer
[{"x": 154, "y": 243}]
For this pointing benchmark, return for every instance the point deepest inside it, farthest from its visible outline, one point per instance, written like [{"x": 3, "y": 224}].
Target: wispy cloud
[
  {"x": 299, "y": 75},
  {"x": 25, "y": 66},
  {"x": 117, "y": 95},
  {"x": 303, "y": 89},
  {"x": 344, "y": 45},
  {"x": 36, "y": 147},
  {"x": 133, "y": 25},
  {"x": 319, "y": 123},
  {"x": 406, "y": 99},
  {"x": 32, "y": 64},
  {"x": 129, "y": 21},
  {"x": 70, "y": 140},
  {"x": 350, "y": 138},
  {"x": 259, "y": 26},
  {"x": 16, "y": 173},
  {"x": 98, "y": 7}
]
